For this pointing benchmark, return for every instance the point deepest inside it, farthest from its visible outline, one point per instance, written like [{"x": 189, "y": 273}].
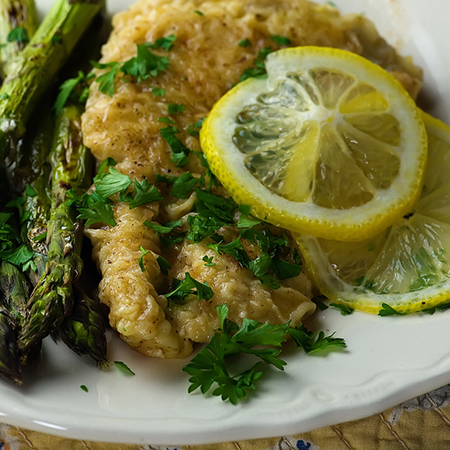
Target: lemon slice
[
  {"x": 408, "y": 265},
  {"x": 329, "y": 144}
]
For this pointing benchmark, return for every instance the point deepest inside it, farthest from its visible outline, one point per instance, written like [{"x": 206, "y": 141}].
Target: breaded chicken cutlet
[{"x": 206, "y": 60}]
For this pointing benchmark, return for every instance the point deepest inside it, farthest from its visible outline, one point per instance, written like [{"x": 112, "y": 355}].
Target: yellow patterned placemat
[{"x": 419, "y": 424}]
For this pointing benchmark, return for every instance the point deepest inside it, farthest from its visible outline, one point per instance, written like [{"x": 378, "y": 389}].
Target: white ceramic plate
[{"x": 388, "y": 360}]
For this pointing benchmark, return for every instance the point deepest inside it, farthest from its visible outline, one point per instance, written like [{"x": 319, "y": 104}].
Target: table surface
[{"x": 422, "y": 423}]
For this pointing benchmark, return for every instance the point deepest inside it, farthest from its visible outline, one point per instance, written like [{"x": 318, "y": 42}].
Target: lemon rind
[{"x": 351, "y": 224}]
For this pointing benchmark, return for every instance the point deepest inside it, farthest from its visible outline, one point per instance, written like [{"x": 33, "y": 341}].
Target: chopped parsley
[
  {"x": 123, "y": 368},
  {"x": 188, "y": 286},
  {"x": 183, "y": 185},
  {"x": 259, "y": 67},
  {"x": 18, "y": 34},
  {"x": 106, "y": 81},
  {"x": 318, "y": 300},
  {"x": 164, "y": 265},
  {"x": 244, "y": 43},
  {"x": 387, "y": 310},
  {"x": 180, "y": 153},
  {"x": 208, "y": 261},
  {"x": 211, "y": 212},
  {"x": 141, "y": 258},
  {"x": 164, "y": 229},
  {"x": 211, "y": 368},
  {"x": 29, "y": 191},
  {"x": 97, "y": 207},
  {"x": 345, "y": 310},
  {"x": 93, "y": 208},
  {"x": 77, "y": 89},
  {"x": 158, "y": 92},
  {"x": 175, "y": 109},
  {"x": 144, "y": 65},
  {"x": 11, "y": 247},
  {"x": 195, "y": 128},
  {"x": 84, "y": 388},
  {"x": 111, "y": 182},
  {"x": 281, "y": 40},
  {"x": 165, "y": 43},
  {"x": 143, "y": 193},
  {"x": 166, "y": 120}
]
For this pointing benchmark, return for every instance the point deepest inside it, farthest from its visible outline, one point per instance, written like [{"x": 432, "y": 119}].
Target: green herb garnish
[
  {"x": 210, "y": 368},
  {"x": 123, "y": 368},
  {"x": 188, "y": 286},
  {"x": 345, "y": 310},
  {"x": 18, "y": 34}
]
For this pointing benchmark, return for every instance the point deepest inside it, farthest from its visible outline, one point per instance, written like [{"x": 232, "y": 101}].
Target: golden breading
[{"x": 205, "y": 62}]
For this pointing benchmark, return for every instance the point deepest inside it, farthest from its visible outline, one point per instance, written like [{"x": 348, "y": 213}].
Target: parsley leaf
[
  {"x": 235, "y": 249},
  {"x": 244, "y": 43},
  {"x": 180, "y": 152},
  {"x": 284, "y": 269},
  {"x": 210, "y": 368},
  {"x": 93, "y": 208},
  {"x": 345, "y": 310},
  {"x": 144, "y": 192},
  {"x": 123, "y": 368},
  {"x": 69, "y": 87},
  {"x": 166, "y": 120},
  {"x": 281, "y": 40},
  {"x": 174, "y": 109},
  {"x": 164, "y": 229},
  {"x": 111, "y": 183},
  {"x": 18, "y": 34},
  {"x": 165, "y": 43},
  {"x": 183, "y": 185},
  {"x": 18, "y": 203},
  {"x": 107, "y": 79},
  {"x": 387, "y": 310},
  {"x": 141, "y": 258},
  {"x": 312, "y": 342},
  {"x": 245, "y": 221},
  {"x": 29, "y": 191},
  {"x": 208, "y": 261},
  {"x": 158, "y": 92},
  {"x": 259, "y": 68},
  {"x": 195, "y": 128},
  {"x": 21, "y": 256},
  {"x": 189, "y": 286},
  {"x": 318, "y": 300},
  {"x": 164, "y": 265},
  {"x": 144, "y": 64}
]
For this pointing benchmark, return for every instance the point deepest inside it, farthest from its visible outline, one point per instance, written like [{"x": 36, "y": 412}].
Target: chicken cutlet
[{"x": 216, "y": 42}]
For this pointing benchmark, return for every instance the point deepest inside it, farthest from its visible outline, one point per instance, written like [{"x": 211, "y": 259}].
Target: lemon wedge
[
  {"x": 406, "y": 266},
  {"x": 329, "y": 144}
]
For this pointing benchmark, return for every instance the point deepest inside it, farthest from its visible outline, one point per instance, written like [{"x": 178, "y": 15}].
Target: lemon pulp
[{"x": 406, "y": 266}]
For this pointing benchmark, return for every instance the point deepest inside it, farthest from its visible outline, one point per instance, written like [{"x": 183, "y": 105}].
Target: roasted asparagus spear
[
  {"x": 18, "y": 23},
  {"x": 52, "y": 298},
  {"x": 32, "y": 72},
  {"x": 84, "y": 329}
]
